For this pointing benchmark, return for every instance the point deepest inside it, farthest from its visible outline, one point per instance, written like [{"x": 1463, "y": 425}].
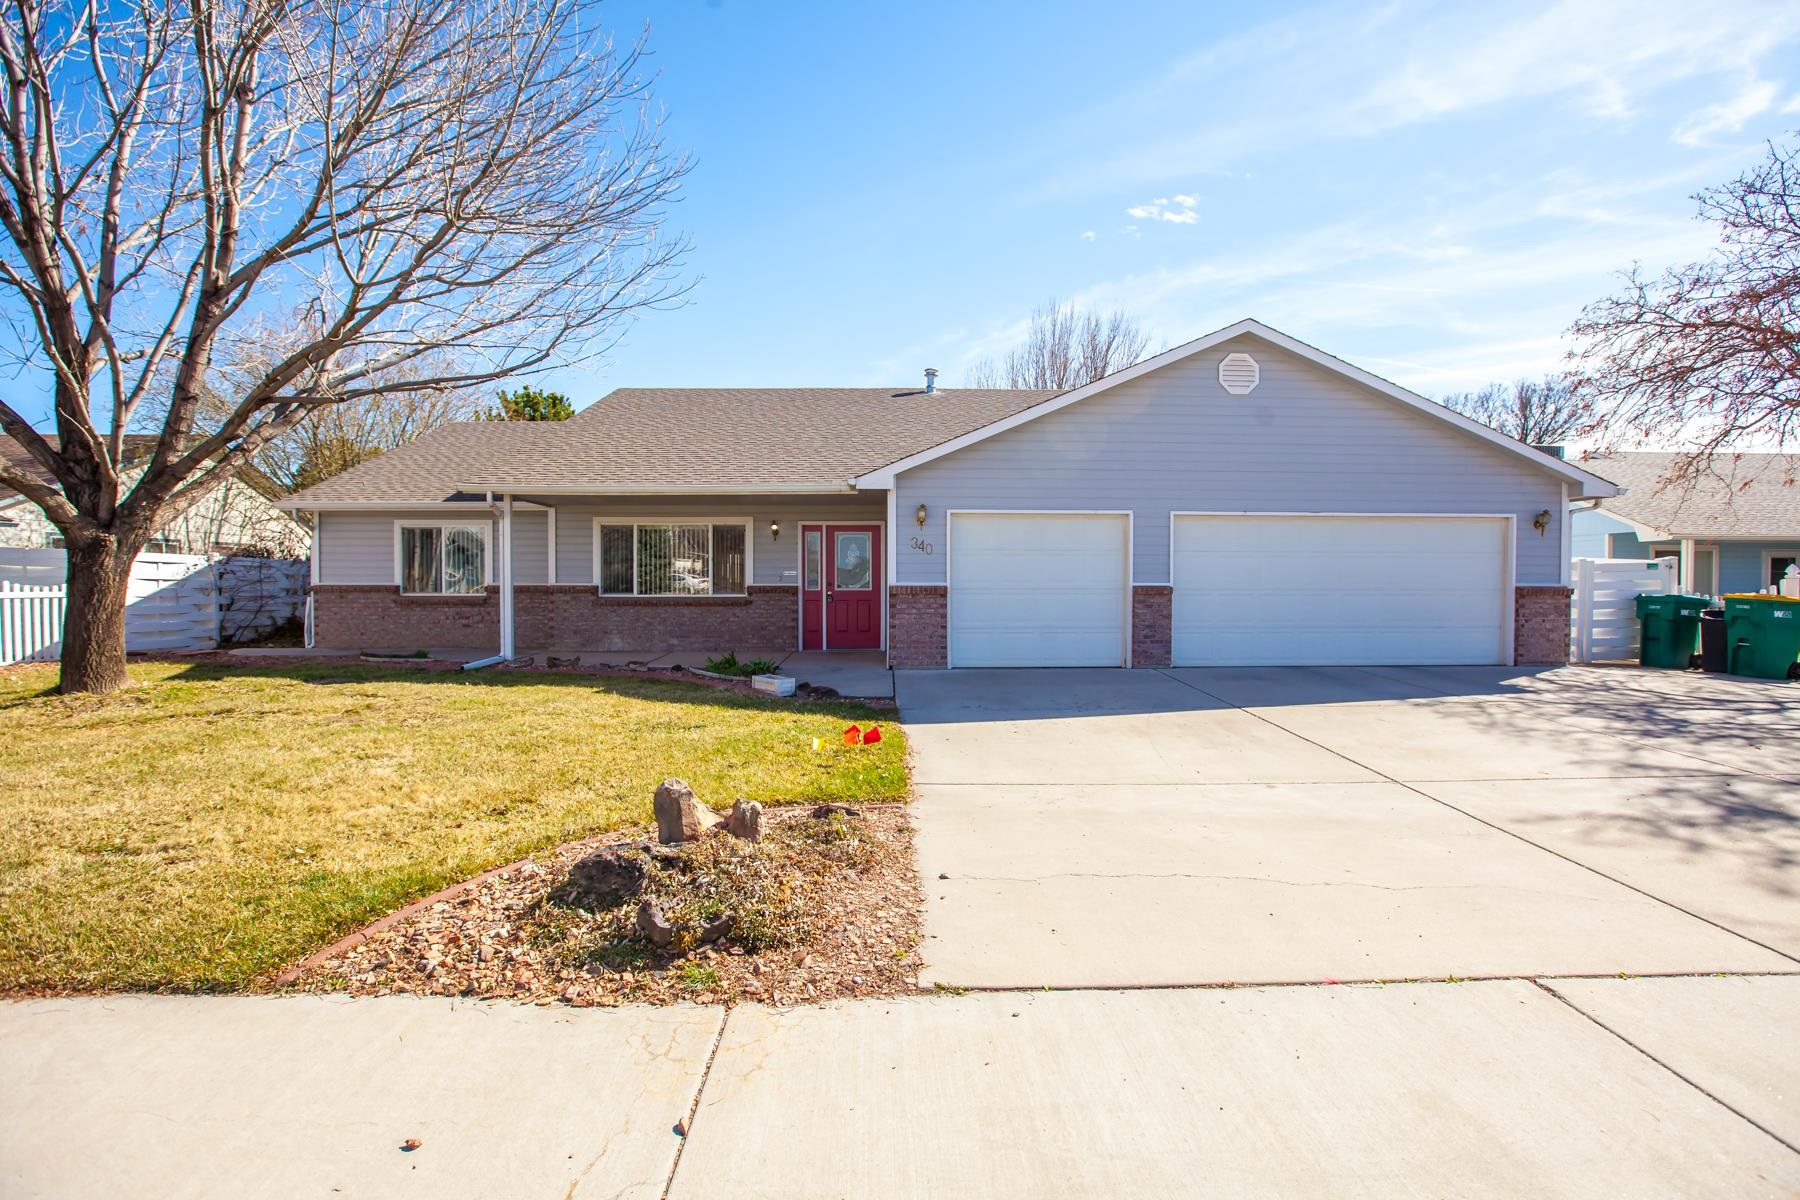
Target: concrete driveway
[{"x": 1130, "y": 828}]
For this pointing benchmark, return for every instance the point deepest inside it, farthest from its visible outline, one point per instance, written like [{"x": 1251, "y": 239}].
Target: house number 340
[{"x": 921, "y": 545}]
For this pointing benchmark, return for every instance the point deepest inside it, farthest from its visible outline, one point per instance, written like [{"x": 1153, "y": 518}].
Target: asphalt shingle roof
[
  {"x": 680, "y": 438},
  {"x": 1742, "y": 495}
]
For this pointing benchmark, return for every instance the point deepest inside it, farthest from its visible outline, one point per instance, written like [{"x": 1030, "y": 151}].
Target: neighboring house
[
  {"x": 1735, "y": 529},
  {"x": 238, "y": 517},
  {"x": 1243, "y": 498}
]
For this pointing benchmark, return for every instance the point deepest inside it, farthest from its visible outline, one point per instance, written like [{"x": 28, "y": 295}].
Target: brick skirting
[
  {"x": 1540, "y": 625},
  {"x": 571, "y": 616},
  {"x": 574, "y": 617},
  {"x": 1151, "y": 605},
  {"x": 378, "y": 617},
  {"x": 918, "y": 620}
]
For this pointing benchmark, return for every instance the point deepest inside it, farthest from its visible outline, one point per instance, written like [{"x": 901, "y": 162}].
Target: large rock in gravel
[
  {"x": 745, "y": 821},
  {"x": 604, "y": 879},
  {"x": 679, "y": 816}
]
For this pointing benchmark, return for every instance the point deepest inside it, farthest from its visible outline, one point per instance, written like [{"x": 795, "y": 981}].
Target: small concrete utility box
[{"x": 775, "y": 685}]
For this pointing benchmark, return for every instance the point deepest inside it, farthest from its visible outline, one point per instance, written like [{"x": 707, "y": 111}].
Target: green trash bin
[
  {"x": 1762, "y": 635},
  {"x": 1669, "y": 629}
]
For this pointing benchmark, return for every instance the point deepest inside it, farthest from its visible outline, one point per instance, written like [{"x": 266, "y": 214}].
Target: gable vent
[{"x": 1239, "y": 374}]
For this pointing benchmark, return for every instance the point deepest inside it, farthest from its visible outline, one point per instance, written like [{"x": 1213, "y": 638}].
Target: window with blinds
[{"x": 673, "y": 560}]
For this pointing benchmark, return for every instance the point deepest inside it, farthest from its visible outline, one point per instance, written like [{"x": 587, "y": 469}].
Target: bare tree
[
  {"x": 1065, "y": 349},
  {"x": 175, "y": 179},
  {"x": 1539, "y": 412},
  {"x": 335, "y": 437},
  {"x": 1707, "y": 355}
]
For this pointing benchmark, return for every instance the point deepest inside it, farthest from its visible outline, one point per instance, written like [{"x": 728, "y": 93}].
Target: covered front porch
[{"x": 633, "y": 578}]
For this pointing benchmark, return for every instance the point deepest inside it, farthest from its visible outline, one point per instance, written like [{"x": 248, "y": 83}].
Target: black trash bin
[{"x": 1712, "y": 640}]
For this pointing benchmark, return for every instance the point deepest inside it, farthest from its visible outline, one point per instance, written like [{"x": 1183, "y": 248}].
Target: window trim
[
  {"x": 1673, "y": 546},
  {"x": 1769, "y": 555},
  {"x": 484, "y": 528},
  {"x": 635, "y": 522}
]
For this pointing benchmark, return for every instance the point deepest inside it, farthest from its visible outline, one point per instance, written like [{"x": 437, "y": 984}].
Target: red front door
[{"x": 840, "y": 587}]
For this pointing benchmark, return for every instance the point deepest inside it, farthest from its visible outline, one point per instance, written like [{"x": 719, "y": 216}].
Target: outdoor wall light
[
  {"x": 775, "y": 531},
  {"x": 1541, "y": 522},
  {"x": 920, "y": 515}
]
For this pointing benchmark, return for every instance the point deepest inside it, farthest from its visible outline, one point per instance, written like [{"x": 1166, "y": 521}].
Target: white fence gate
[
  {"x": 1603, "y": 621},
  {"x": 31, "y": 621},
  {"x": 174, "y": 601}
]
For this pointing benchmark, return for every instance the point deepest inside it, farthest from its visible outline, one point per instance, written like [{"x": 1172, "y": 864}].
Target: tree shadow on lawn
[{"x": 662, "y": 687}]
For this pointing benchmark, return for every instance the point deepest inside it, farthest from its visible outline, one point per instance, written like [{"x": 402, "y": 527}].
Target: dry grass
[{"x": 212, "y": 824}]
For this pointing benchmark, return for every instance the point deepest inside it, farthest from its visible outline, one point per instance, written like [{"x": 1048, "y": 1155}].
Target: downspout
[{"x": 503, "y": 511}]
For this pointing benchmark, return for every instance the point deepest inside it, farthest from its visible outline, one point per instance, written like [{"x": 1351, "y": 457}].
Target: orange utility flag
[
  {"x": 852, "y": 736},
  {"x": 872, "y": 736}
]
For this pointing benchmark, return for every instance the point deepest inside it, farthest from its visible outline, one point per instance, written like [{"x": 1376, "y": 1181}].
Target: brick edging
[{"x": 383, "y": 924}]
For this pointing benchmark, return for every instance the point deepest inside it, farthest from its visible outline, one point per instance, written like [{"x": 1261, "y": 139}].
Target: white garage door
[
  {"x": 1037, "y": 590},
  {"x": 1316, "y": 591}
]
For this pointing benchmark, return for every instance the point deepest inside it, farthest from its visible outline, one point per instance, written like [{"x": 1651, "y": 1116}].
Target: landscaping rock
[
  {"x": 556, "y": 663},
  {"x": 745, "y": 821},
  {"x": 652, "y": 927},
  {"x": 835, "y": 810},
  {"x": 679, "y": 816},
  {"x": 715, "y": 930},
  {"x": 605, "y": 879}
]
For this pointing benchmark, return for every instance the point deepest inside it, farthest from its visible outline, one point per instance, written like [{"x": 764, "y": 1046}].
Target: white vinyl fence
[
  {"x": 1603, "y": 623},
  {"x": 174, "y": 601},
  {"x": 31, "y": 618}
]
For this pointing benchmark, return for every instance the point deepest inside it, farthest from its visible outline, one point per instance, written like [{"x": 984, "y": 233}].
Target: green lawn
[{"x": 211, "y": 824}]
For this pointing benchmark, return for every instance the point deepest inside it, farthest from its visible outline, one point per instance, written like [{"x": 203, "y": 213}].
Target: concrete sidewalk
[{"x": 1603, "y": 1088}]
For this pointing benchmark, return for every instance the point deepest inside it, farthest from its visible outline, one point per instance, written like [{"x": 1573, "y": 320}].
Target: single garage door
[
  {"x": 1038, "y": 589},
  {"x": 1354, "y": 590}
]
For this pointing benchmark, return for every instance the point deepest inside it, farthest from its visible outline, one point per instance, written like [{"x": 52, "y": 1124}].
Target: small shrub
[
  {"x": 698, "y": 976},
  {"x": 729, "y": 664}
]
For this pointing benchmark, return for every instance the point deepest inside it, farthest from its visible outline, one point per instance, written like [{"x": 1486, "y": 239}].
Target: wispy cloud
[
  {"x": 1729, "y": 115},
  {"x": 1177, "y": 210},
  {"x": 1336, "y": 75}
]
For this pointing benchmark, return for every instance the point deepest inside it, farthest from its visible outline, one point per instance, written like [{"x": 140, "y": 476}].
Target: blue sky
[{"x": 1431, "y": 191}]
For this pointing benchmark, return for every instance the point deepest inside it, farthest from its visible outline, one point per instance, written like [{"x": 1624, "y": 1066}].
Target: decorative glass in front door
[{"x": 853, "y": 565}]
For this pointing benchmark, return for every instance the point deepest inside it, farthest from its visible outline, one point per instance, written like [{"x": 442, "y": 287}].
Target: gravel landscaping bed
[{"x": 827, "y": 907}]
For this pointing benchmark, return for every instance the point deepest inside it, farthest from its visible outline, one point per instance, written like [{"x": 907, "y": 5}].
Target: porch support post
[
  {"x": 507, "y": 649},
  {"x": 1687, "y": 565}
]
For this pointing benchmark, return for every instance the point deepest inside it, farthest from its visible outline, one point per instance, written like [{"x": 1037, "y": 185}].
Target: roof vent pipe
[{"x": 930, "y": 380}]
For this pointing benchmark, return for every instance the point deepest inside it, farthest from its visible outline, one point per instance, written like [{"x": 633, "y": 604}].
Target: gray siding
[
  {"x": 1306, "y": 440},
  {"x": 359, "y": 547},
  {"x": 531, "y": 547},
  {"x": 772, "y": 560}
]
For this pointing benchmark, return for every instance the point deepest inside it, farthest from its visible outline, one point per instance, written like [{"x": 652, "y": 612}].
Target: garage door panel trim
[{"x": 950, "y": 516}]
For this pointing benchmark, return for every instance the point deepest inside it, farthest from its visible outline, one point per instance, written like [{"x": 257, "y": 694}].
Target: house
[
  {"x": 1735, "y": 529},
  {"x": 239, "y": 517},
  {"x": 1241, "y": 499}
]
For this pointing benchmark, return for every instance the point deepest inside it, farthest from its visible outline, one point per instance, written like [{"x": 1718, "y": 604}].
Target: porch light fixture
[
  {"x": 1541, "y": 522},
  {"x": 920, "y": 515},
  {"x": 775, "y": 531}
]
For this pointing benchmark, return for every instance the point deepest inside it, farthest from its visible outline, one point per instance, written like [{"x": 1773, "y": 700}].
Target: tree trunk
[{"x": 93, "y": 646}]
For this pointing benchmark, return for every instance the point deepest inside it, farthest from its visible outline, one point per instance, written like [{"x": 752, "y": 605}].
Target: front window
[
  {"x": 443, "y": 560},
  {"x": 667, "y": 559},
  {"x": 1779, "y": 564}
]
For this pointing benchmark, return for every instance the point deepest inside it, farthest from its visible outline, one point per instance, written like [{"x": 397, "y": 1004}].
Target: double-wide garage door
[
  {"x": 1053, "y": 589},
  {"x": 1353, "y": 590}
]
